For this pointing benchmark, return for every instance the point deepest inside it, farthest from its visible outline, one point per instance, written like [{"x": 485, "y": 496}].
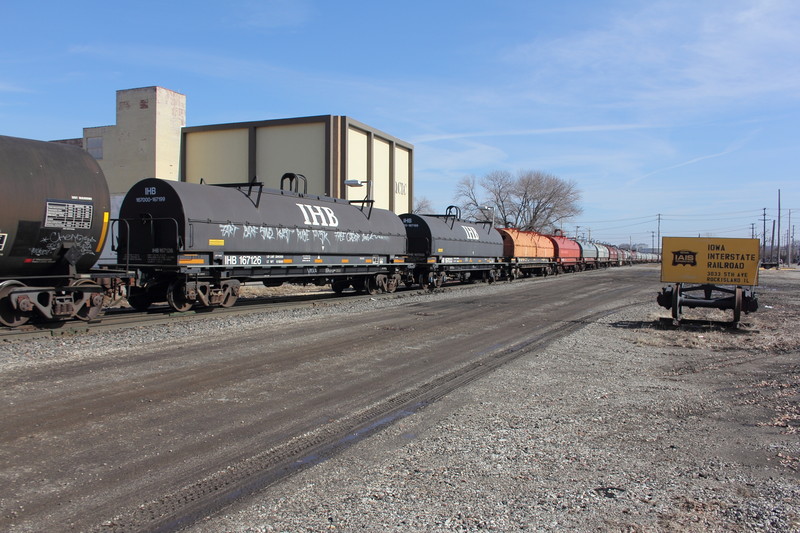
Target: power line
[
  {"x": 582, "y": 222},
  {"x": 713, "y": 214}
]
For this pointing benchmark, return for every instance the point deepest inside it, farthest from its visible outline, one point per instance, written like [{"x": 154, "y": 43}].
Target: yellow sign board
[{"x": 709, "y": 260}]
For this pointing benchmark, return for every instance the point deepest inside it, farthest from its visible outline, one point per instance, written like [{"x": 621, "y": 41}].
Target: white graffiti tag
[
  {"x": 321, "y": 236},
  {"x": 54, "y": 241},
  {"x": 249, "y": 232},
  {"x": 267, "y": 233},
  {"x": 367, "y": 237},
  {"x": 228, "y": 230},
  {"x": 285, "y": 234}
]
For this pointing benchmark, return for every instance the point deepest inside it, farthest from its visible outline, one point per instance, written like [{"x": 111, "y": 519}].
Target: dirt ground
[
  {"x": 629, "y": 424},
  {"x": 771, "y": 332}
]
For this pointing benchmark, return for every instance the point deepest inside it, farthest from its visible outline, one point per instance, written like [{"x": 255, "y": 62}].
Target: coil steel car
[
  {"x": 442, "y": 247},
  {"x": 194, "y": 245},
  {"x": 528, "y": 253}
]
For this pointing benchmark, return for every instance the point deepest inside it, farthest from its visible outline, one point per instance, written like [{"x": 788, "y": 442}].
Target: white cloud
[
  {"x": 524, "y": 133},
  {"x": 731, "y": 148},
  {"x": 12, "y": 88},
  {"x": 673, "y": 55}
]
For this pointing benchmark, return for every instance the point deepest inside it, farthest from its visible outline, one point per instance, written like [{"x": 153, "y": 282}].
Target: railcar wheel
[
  {"x": 8, "y": 315},
  {"x": 339, "y": 286},
  {"x": 737, "y": 306},
  {"x": 140, "y": 301},
  {"x": 676, "y": 302},
  {"x": 424, "y": 282},
  {"x": 94, "y": 303},
  {"x": 374, "y": 285},
  {"x": 176, "y": 297},
  {"x": 391, "y": 283},
  {"x": 360, "y": 284},
  {"x": 230, "y": 293}
]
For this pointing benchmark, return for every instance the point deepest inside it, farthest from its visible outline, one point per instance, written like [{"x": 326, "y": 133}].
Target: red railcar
[{"x": 568, "y": 253}]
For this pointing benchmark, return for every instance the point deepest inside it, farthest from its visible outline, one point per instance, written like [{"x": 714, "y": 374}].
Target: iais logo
[{"x": 684, "y": 257}]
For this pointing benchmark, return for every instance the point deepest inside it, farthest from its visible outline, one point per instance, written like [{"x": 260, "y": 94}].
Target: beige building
[
  {"x": 146, "y": 140},
  {"x": 150, "y": 140},
  {"x": 328, "y": 150}
]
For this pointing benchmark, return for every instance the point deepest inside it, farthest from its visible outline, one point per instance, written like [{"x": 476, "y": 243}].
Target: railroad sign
[{"x": 709, "y": 260}]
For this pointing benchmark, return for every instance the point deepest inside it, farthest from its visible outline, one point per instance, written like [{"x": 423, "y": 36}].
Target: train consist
[{"x": 194, "y": 245}]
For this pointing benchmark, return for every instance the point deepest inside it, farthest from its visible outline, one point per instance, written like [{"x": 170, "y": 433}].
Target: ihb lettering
[{"x": 318, "y": 215}]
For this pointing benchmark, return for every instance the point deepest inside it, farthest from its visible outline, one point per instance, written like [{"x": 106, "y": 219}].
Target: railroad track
[
  {"x": 126, "y": 317},
  {"x": 119, "y": 317}
]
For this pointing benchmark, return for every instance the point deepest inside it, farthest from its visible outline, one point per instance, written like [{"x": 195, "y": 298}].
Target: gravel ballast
[{"x": 626, "y": 425}]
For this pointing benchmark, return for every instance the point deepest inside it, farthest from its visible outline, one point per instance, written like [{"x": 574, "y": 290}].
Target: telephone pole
[
  {"x": 659, "y": 233},
  {"x": 789, "y": 238},
  {"x": 778, "y": 259}
]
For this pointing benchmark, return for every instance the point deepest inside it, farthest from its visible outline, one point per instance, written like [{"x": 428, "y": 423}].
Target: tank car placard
[
  {"x": 709, "y": 260},
  {"x": 68, "y": 215}
]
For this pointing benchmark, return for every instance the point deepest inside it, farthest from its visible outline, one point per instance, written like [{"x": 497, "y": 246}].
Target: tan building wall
[
  {"x": 300, "y": 148},
  {"x": 145, "y": 142},
  {"x": 326, "y": 149},
  {"x": 403, "y": 178},
  {"x": 217, "y": 157}
]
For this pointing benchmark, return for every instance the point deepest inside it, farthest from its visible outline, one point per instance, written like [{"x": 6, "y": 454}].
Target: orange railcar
[{"x": 528, "y": 253}]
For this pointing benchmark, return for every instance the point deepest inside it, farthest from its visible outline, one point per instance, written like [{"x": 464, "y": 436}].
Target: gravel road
[{"x": 626, "y": 425}]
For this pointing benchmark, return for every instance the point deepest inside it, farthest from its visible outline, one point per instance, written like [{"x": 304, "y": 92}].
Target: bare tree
[
  {"x": 422, "y": 206},
  {"x": 532, "y": 200},
  {"x": 467, "y": 197},
  {"x": 545, "y": 200}
]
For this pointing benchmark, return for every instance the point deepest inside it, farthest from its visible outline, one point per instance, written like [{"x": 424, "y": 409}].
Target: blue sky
[{"x": 687, "y": 109}]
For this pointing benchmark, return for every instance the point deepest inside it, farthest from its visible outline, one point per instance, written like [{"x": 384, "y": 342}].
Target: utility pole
[
  {"x": 789, "y": 238},
  {"x": 772, "y": 243},
  {"x": 778, "y": 260},
  {"x": 659, "y": 234},
  {"x": 764, "y": 237},
  {"x": 752, "y": 230},
  {"x": 652, "y": 241}
]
